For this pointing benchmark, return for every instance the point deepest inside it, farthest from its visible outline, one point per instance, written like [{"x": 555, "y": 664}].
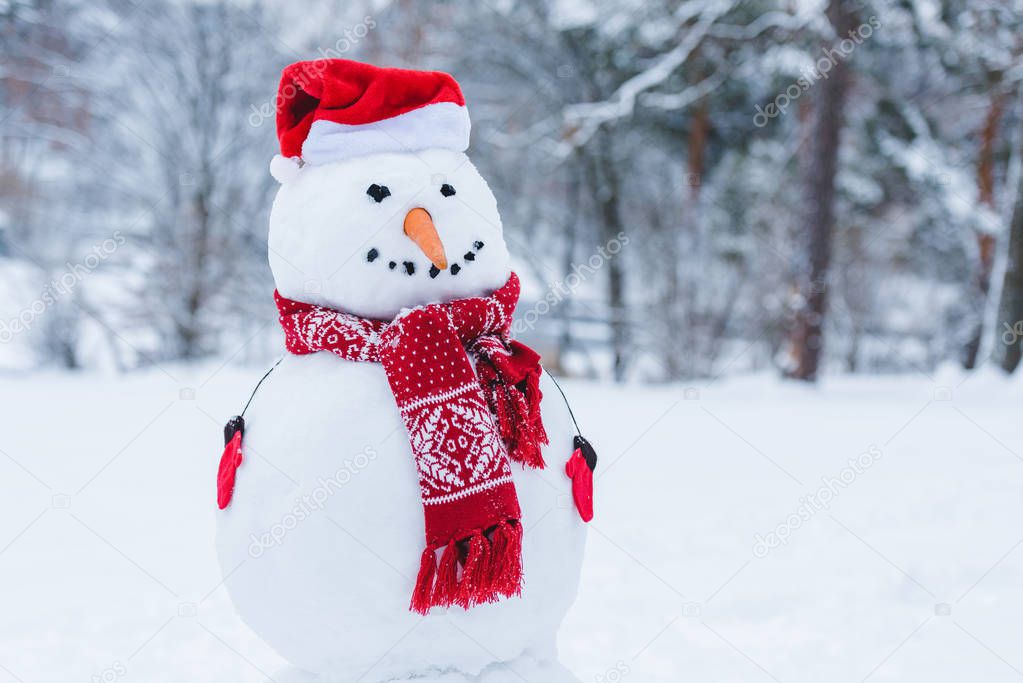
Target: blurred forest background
[{"x": 692, "y": 188}]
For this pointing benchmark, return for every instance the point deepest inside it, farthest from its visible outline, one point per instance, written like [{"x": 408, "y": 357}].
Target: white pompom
[{"x": 284, "y": 169}]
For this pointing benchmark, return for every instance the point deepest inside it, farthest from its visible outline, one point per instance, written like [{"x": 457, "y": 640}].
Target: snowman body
[
  {"x": 325, "y": 526},
  {"x": 321, "y": 543}
]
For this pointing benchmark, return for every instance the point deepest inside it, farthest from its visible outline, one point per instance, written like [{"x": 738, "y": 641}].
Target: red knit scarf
[{"x": 463, "y": 426}]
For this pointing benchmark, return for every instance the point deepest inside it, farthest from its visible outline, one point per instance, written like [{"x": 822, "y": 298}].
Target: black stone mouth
[{"x": 411, "y": 269}]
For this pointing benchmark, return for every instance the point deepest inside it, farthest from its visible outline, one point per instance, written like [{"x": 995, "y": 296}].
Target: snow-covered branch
[
  {"x": 582, "y": 120},
  {"x": 680, "y": 100}
]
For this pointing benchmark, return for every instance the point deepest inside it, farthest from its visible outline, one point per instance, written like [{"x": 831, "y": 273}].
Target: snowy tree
[{"x": 188, "y": 99}]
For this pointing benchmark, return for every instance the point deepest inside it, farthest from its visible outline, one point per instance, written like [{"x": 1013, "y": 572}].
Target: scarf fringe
[
  {"x": 446, "y": 586},
  {"x": 421, "y": 596},
  {"x": 475, "y": 587},
  {"x": 491, "y": 569},
  {"x": 517, "y": 409},
  {"x": 506, "y": 560}
]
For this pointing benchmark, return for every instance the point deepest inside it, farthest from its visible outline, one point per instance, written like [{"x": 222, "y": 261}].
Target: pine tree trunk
[
  {"x": 678, "y": 360},
  {"x": 986, "y": 242},
  {"x": 819, "y": 218},
  {"x": 574, "y": 203},
  {"x": 1010, "y": 308},
  {"x": 604, "y": 184}
]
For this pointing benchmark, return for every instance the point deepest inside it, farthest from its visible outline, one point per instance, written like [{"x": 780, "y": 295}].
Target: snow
[
  {"x": 109, "y": 572},
  {"x": 19, "y": 291},
  {"x": 570, "y": 14}
]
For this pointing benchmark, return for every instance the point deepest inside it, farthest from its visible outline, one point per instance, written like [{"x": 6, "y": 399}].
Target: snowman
[{"x": 406, "y": 495}]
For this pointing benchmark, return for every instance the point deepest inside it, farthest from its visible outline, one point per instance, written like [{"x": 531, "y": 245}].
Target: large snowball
[{"x": 331, "y": 243}]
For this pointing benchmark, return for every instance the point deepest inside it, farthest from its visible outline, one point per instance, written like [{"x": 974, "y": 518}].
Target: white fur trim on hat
[{"x": 444, "y": 125}]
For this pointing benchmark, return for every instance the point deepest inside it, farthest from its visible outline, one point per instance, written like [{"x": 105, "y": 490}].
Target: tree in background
[
  {"x": 186, "y": 110},
  {"x": 46, "y": 116},
  {"x": 819, "y": 218},
  {"x": 1009, "y": 322}
]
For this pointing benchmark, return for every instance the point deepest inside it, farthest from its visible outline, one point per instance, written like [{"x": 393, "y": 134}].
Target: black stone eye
[
  {"x": 378, "y": 192},
  {"x": 447, "y": 190}
]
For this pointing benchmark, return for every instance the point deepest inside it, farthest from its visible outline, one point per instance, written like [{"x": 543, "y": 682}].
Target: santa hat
[{"x": 335, "y": 109}]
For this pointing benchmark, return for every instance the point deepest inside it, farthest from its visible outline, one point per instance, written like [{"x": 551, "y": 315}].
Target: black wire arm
[
  {"x": 260, "y": 383},
  {"x": 565, "y": 399}
]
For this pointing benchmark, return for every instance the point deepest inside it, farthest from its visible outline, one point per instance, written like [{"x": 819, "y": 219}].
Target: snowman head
[{"x": 379, "y": 209}]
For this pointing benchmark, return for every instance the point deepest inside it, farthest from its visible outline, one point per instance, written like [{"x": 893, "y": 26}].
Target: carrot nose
[{"x": 420, "y": 229}]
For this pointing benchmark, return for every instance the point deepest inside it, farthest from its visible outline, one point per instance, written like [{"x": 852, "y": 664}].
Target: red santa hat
[{"x": 334, "y": 109}]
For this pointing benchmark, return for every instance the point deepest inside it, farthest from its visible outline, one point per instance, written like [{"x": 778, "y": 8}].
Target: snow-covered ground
[{"x": 911, "y": 572}]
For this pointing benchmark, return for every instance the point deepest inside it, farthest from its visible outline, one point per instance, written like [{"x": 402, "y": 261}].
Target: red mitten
[
  {"x": 230, "y": 460},
  {"x": 580, "y": 470}
]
